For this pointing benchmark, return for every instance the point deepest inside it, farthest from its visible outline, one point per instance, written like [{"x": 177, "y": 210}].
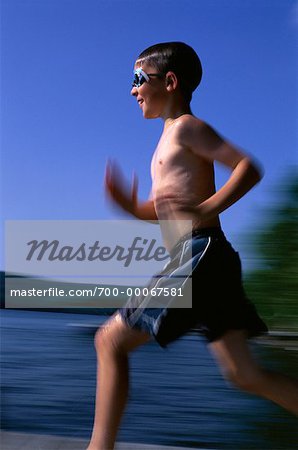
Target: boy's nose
[{"x": 134, "y": 91}]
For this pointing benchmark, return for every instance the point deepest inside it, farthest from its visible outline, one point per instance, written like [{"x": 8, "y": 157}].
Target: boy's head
[{"x": 176, "y": 57}]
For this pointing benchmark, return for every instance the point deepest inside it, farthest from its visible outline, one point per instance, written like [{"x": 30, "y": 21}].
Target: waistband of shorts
[
  {"x": 201, "y": 232},
  {"x": 206, "y": 232}
]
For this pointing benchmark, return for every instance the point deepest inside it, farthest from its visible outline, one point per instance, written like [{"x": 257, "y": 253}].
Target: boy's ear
[{"x": 171, "y": 81}]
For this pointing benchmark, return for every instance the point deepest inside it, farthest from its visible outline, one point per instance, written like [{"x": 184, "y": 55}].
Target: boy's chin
[{"x": 148, "y": 115}]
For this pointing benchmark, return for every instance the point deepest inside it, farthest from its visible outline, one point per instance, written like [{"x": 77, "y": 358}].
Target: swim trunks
[{"x": 219, "y": 302}]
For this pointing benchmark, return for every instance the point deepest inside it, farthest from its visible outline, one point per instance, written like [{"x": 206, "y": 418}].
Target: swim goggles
[{"x": 140, "y": 77}]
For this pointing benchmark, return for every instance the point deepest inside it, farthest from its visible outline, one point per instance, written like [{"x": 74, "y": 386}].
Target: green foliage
[{"x": 274, "y": 287}]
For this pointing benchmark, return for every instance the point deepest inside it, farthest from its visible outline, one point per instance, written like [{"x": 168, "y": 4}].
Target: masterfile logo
[
  {"x": 95, "y": 249},
  {"x": 140, "y": 250},
  {"x": 96, "y": 264}
]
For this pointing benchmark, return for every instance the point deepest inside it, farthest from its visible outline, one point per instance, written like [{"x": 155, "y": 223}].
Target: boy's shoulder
[
  {"x": 190, "y": 123},
  {"x": 188, "y": 120},
  {"x": 189, "y": 126},
  {"x": 197, "y": 135}
]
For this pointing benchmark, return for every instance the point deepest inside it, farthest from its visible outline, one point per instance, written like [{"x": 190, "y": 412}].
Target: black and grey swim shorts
[{"x": 219, "y": 302}]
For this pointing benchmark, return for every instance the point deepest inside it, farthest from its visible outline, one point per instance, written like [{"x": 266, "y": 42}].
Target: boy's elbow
[
  {"x": 259, "y": 172},
  {"x": 256, "y": 170}
]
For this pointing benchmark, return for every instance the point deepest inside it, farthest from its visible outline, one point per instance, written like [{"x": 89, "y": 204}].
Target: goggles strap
[{"x": 140, "y": 72}]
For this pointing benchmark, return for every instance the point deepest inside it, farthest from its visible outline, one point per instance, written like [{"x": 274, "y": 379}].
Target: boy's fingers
[
  {"x": 134, "y": 187},
  {"x": 135, "y": 181},
  {"x": 112, "y": 175},
  {"x": 107, "y": 175},
  {"x": 116, "y": 186}
]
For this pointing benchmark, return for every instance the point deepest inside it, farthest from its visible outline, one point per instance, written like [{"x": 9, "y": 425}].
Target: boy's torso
[{"x": 181, "y": 180}]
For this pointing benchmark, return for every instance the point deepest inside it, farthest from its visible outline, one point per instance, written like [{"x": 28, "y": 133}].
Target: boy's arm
[
  {"x": 127, "y": 198},
  {"x": 207, "y": 144},
  {"x": 146, "y": 211}
]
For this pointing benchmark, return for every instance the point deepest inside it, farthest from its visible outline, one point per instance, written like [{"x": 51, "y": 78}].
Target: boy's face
[{"x": 152, "y": 94}]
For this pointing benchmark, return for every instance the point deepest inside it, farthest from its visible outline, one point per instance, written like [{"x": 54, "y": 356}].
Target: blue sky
[{"x": 66, "y": 106}]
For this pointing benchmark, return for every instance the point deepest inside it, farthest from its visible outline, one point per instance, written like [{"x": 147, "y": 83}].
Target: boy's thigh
[{"x": 117, "y": 333}]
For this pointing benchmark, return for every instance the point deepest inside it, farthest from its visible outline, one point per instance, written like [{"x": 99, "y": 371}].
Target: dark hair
[{"x": 179, "y": 58}]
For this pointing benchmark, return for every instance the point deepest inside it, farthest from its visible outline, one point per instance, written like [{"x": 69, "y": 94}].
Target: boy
[{"x": 183, "y": 189}]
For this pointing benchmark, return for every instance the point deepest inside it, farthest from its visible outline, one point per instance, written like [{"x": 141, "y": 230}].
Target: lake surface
[{"x": 177, "y": 397}]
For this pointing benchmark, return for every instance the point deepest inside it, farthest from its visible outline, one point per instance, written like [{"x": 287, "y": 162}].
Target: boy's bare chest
[{"x": 170, "y": 156}]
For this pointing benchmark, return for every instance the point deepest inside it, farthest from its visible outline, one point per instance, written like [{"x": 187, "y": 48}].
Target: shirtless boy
[{"x": 183, "y": 187}]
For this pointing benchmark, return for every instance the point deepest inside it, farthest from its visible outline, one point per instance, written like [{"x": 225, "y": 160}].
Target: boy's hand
[{"x": 117, "y": 188}]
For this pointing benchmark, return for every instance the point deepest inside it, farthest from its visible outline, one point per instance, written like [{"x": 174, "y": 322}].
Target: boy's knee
[
  {"x": 109, "y": 339},
  {"x": 249, "y": 381},
  {"x": 98, "y": 339},
  {"x": 115, "y": 338},
  {"x": 103, "y": 340}
]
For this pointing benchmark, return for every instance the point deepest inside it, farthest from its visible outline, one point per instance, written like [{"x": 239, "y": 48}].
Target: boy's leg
[
  {"x": 113, "y": 342},
  {"x": 237, "y": 363}
]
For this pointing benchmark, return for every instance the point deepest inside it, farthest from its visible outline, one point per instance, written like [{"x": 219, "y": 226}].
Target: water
[{"x": 178, "y": 396}]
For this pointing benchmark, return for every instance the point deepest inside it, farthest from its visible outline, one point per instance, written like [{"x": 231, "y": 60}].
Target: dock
[{"x": 23, "y": 441}]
